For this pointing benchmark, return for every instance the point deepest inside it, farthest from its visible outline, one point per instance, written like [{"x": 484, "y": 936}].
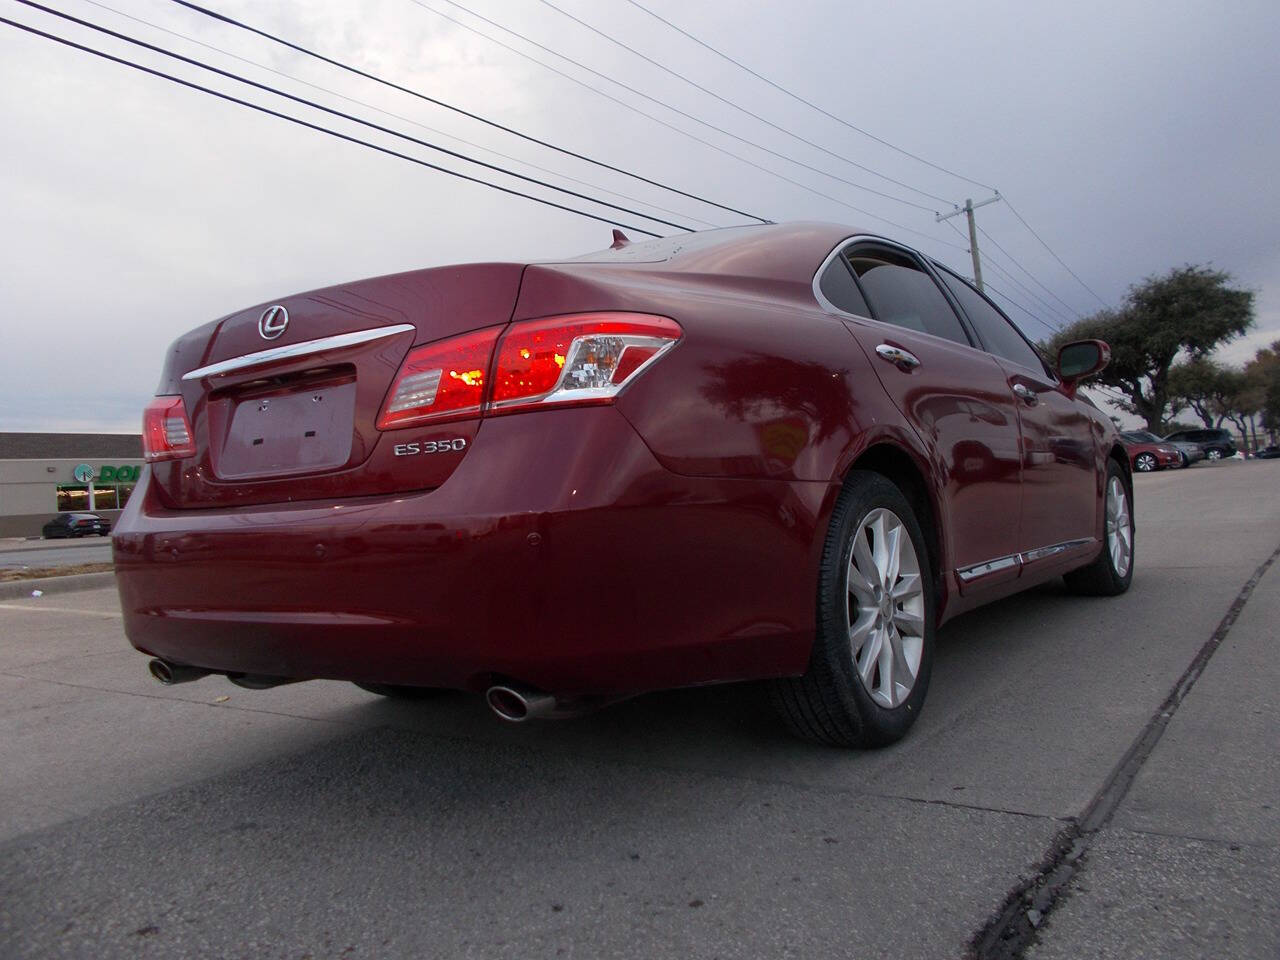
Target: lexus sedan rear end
[{"x": 562, "y": 483}]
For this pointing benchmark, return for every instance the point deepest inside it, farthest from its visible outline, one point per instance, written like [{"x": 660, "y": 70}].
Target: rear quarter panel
[{"x": 761, "y": 385}]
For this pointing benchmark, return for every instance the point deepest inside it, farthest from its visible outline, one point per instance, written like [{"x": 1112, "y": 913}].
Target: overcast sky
[{"x": 1134, "y": 137}]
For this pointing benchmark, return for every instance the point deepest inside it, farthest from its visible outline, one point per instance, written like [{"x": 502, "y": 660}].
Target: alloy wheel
[
  {"x": 1119, "y": 527},
  {"x": 1215, "y": 454},
  {"x": 885, "y": 608},
  {"x": 1145, "y": 463}
]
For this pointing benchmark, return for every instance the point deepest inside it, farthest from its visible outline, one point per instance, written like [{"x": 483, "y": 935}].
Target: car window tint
[
  {"x": 899, "y": 292},
  {"x": 838, "y": 286},
  {"x": 996, "y": 330}
]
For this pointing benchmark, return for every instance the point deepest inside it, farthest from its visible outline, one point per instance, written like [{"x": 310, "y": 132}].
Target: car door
[
  {"x": 1061, "y": 486},
  {"x": 954, "y": 396}
]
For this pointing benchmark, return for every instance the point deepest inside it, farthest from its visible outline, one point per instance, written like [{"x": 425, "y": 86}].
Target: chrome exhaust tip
[
  {"x": 171, "y": 673},
  {"x": 517, "y": 704}
]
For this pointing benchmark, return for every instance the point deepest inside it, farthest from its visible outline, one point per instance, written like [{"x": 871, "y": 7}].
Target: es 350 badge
[{"x": 456, "y": 445}]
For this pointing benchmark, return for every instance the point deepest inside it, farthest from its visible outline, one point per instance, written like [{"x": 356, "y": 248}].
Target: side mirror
[{"x": 1082, "y": 359}]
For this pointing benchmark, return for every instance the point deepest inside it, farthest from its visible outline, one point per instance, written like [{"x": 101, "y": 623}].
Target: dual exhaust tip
[
  {"x": 169, "y": 673},
  {"x": 511, "y": 702},
  {"x": 518, "y": 704}
]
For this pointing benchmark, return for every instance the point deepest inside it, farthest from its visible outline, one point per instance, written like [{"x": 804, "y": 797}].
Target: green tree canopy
[
  {"x": 1263, "y": 373},
  {"x": 1205, "y": 386},
  {"x": 1186, "y": 312}
]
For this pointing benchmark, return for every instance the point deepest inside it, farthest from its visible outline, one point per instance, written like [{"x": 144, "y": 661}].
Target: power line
[
  {"x": 725, "y": 100},
  {"x": 1024, "y": 289},
  {"x": 213, "y": 14},
  {"x": 809, "y": 103},
  {"x": 396, "y": 116},
  {"x": 993, "y": 262},
  {"x": 657, "y": 119},
  {"x": 347, "y": 116},
  {"x": 320, "y": 129},
  {"x": 666, "y": 106},
  {"x": 622, "y": 103},
  {"x": 1014, "y": 211},
  {"x": 1009, "y": 299},
  {"x": 1035, "y": 279},
  {"x": 1004, "y": 295}
]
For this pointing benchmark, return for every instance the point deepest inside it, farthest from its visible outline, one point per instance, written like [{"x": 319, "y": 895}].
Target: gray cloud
[{"x": 1134, "y": 137}]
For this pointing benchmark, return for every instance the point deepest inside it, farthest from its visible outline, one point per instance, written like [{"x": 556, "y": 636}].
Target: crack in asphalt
[{"x": 1014, "y": 926}]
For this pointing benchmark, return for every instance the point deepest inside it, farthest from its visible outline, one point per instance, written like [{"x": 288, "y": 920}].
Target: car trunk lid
[{"x": 283, "y": 397}]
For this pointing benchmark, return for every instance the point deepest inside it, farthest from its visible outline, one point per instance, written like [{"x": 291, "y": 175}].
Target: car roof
[{"x": 790, "y": 251}]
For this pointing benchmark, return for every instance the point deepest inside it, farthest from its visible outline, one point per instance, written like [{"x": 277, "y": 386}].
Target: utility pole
[{"x": 968, "y": 208}]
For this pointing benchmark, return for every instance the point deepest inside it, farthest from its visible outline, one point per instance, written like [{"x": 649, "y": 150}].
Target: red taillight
[
  {"x": 585, "y": 358},
  {"x": 443, "y": 380},
  {"x": 166, "y": 431}
]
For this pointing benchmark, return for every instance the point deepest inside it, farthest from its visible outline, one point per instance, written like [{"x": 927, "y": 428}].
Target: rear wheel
[
  {"x": 1144, "y": 462},
  {"x": 399, "y": 692},
  {"x": 873, "y": 651},
  {"x": 1112, "y": 572}
]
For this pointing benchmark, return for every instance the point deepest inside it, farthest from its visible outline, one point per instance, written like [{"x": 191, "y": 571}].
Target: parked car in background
[
  {"x": 1268, "y": 453},
  {"x": 1218, "y": 444},
  {"x": 1146, "y": 456},
  {"x": 784, "y": 452},
  {"x": 75, "y": 525},
  {"x": 1191, "y": 452}
]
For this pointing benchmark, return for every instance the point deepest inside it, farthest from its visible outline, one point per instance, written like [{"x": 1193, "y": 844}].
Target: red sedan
[
  {"x": 785, "y": 452},
  {"x": 1146, "y": 456}
]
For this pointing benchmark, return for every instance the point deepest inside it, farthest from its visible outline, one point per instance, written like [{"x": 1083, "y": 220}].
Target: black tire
[
  {"x": 1100, "y": 578},
  {"x": 1214, "y": 453},
  {"x": 829, "y": 704},
  {"x": 1145, "y": 463},
  {"x": 397, "y": 691}
]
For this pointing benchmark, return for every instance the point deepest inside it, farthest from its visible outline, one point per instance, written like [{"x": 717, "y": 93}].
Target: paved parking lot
[
  {"x": 17, "y": 553},
  {"x": 316, "y": 820}
]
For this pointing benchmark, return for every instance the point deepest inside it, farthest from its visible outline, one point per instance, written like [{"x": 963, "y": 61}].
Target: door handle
[
  {"x": 1026, "y": 394},
  {"x": 900, "y": 358}
]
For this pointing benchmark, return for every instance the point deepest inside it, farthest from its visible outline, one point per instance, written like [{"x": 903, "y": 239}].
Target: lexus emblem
[{"x": 273, "y": 322}]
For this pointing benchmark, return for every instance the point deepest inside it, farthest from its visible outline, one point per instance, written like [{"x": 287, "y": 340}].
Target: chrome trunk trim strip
[{"x": 262, "y": 357}]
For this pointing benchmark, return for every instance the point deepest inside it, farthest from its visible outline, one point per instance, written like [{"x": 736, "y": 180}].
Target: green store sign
[{"x": 126, "y": 473}]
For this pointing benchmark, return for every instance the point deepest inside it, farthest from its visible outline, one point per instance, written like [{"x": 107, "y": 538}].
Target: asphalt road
[
  {"x": 54, "y": 553},
  {"x": 319, "y": 821}
]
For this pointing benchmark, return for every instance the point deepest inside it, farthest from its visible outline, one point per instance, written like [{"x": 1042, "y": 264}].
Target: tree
[
  {"x": 1244, "y": 402},
  {"x": 1187, "y": 312},
  {"x": 1263, "y": 372},
  {"x": 1205, "y": 386}
]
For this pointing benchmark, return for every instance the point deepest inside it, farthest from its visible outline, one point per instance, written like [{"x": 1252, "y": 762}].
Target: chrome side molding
[
  {"x": 987, "y": 567},
  {"x": 1042, "y": 553}
]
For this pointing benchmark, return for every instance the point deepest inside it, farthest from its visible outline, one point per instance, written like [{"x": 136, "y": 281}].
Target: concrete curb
[{"x": 77, "y": 581}]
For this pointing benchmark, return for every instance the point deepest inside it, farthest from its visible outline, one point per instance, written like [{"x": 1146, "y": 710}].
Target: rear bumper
[{"x": 559, "y": 554}]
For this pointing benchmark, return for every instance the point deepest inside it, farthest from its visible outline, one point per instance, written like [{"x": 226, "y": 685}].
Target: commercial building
[{"x": 42, "y": 474}]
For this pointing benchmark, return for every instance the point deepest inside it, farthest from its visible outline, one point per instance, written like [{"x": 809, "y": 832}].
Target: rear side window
[
  {"x": 838, "y": 286},
  {"x": 997, "y": 331},
  {"x": 901, "y": 293}
]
